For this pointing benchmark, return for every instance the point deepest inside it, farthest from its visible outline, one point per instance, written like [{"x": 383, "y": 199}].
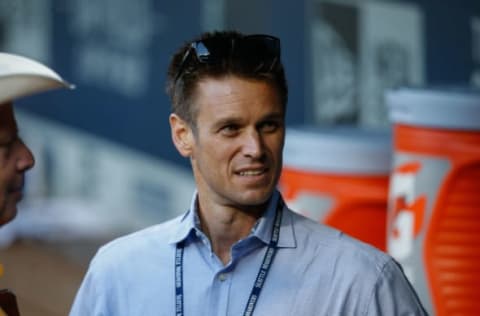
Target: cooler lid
[
  {"x": 338, "y": 150},
  {"x": 434, "y": 107}
]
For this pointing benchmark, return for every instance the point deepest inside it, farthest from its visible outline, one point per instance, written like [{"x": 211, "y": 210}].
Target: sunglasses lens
[
  {"x": 262, "y": 46},
  {"x": 261, "y": 52},
  {"x": 203, "y": 53},
  {"x": 212, "y": 51}
]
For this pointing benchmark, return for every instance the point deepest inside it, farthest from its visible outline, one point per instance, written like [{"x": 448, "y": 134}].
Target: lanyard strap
[
  {"x": 259, "y": 281},
  {"x": 179, "y": 279}
]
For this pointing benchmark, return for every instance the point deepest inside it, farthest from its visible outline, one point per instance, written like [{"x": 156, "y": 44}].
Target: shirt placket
[{"x": 221, "y": 286}]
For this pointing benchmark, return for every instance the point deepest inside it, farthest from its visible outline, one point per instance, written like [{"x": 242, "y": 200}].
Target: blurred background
[{"x": 105, "y": 164}]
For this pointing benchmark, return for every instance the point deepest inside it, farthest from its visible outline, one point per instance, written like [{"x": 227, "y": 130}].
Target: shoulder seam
[{"x": 380, "y": 274}]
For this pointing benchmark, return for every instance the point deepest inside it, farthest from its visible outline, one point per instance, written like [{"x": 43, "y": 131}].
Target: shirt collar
[
  {"x": 264, "y": 225},
  {"x": 263, "y": 228},
  {"x": 189, "y": 221},
  {"x": 186, "y": 222}
]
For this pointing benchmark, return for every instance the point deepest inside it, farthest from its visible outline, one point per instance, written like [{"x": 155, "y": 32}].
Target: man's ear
[{"x": 182, "y": 135}]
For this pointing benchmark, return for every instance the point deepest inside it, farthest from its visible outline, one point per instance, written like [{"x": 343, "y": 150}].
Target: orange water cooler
[
  {"x": 434, "y": 196},
  {"x": 339, "y": 176}
]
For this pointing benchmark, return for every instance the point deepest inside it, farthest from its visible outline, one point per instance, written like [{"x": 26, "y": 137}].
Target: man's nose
[
  {"x": 24, "y": 156},
  {"x": 253, "y": 144}
]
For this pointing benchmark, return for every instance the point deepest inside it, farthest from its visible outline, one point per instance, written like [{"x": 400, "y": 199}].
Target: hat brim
[{"x": 21, "y": 77}]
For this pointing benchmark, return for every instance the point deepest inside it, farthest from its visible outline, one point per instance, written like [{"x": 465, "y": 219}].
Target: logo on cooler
[{"x": 406, "y": 213}]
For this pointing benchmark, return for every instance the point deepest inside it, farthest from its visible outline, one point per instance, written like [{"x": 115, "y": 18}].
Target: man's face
[
  {"x": 15, "y": 159},
  {"x": 236, "y": 150}
]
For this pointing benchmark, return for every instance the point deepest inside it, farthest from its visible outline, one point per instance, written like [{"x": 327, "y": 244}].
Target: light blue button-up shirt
[{"x": 316, "y": 271}]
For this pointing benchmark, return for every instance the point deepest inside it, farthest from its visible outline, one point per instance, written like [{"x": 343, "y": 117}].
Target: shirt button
[{"x": 222, "y": 276}]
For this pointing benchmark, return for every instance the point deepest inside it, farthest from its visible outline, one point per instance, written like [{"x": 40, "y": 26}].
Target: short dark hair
[{"x": 187, "y": 69}]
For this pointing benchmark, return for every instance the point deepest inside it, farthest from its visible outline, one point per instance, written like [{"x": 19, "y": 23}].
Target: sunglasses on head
[{"x": 259, "y": 51}]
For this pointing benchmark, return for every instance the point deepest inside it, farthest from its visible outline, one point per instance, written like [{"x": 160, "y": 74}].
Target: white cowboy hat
[{"x": 21, "y": 76}]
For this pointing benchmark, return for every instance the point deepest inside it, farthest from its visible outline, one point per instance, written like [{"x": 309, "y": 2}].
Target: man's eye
[
  {"x": 269, "y": 127},
  {"x": 8, "y": 145},
  {"x": 230, "y": 129}
]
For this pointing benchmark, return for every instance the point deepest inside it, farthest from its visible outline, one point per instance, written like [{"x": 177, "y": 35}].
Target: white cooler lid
[
  {"x": 442, "y": 108},
  {"x": 343, "y": 150}
]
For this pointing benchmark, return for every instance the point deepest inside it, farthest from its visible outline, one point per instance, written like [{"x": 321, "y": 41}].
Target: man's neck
[{"x": 225, "y": 225}]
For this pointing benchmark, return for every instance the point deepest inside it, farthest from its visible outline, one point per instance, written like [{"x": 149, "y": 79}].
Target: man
[
  {"x": 238, "y": 250},
  {"x": 15, "y": 159},
  {"x": 19, "y": 76}
]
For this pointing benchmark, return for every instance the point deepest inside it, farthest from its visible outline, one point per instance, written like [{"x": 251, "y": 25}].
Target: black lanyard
[{"x": 261, "y": 276}]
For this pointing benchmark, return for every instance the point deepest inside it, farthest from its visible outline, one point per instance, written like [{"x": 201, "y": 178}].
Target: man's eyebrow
[{"x": 273, "y": 116}]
